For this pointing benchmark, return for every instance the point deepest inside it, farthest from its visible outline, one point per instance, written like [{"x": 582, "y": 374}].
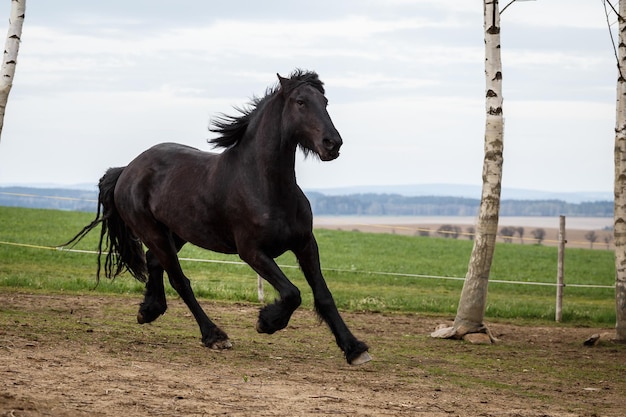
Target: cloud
[
  {"x": 123, "y": 59},
  {"x": 405, "y": 80},
  {"x": 582, "y": 14}
]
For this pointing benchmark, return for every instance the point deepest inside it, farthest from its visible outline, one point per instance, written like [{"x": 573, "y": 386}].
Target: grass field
[{"x": 365, "y": 271}]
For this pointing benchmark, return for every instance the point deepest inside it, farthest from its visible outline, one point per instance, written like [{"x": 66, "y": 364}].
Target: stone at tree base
[
  {"x": 596, "y": 338},
  {"x": 592, "y": 340},
  {"x": 480, "y": 335},
  {"x": 478, "y": 338},
  {"x": 444, "y": 331}
]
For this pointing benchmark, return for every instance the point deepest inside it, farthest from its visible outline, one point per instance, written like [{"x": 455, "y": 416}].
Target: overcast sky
[{"x": 99, "y": 82}]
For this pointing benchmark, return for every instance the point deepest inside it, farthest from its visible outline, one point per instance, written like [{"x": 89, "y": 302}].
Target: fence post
[
  {"x": 260, "y": 288},
  {"x": 560, "y": 272}
]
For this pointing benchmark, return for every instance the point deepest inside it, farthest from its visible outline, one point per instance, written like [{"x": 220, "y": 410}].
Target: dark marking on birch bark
[
  {"x": 492, "y": 202},
  {"x": 493, "y": 155}
]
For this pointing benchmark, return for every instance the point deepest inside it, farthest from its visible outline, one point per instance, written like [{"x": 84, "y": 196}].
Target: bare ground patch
[
  {"x": 576, "y": 238},
  {"x": 68, "y": 355}
]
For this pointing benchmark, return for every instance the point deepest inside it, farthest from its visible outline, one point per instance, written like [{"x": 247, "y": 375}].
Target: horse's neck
[
  {"x": 272, "y": 156},
  {"x": 268, "y": 164},
  {"x": 276, "y": 168}
]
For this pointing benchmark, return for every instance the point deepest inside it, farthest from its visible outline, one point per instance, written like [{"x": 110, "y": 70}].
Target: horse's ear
[{"x": 282, "y": 80}]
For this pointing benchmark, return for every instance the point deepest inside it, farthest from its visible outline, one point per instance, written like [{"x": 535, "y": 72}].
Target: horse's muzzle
[{"x": 330, "y": 149}]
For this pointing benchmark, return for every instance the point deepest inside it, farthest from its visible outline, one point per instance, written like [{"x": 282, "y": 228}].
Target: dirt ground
[
  {"x": 68, "y": 355},
  {"x": 576, "y": 238}
]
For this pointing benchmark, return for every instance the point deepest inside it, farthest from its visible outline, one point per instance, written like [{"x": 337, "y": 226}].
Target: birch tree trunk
[
  {"x": 619, "y": 226},
  {"x": 11, "y": 48},
  {"x": 471, "y": 309}
]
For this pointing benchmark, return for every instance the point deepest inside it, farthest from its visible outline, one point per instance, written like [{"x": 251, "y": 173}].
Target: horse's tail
[{"x": 124, "y": 250}]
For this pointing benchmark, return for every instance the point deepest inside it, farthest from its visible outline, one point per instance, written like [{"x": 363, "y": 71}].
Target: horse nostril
[{"x": 330, "y": 144}]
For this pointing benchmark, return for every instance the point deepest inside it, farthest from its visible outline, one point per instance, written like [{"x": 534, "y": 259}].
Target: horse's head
[{"x": 305, "y": 117}]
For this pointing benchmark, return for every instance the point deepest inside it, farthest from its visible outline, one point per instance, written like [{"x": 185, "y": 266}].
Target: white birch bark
[
  {"x": 619, "y": 229},
  {"x": 11, "y": 48},
  {"x": 471, "y": 309}
]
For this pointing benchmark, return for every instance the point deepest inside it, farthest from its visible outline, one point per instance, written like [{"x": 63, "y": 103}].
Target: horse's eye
[{"x": 300, "y": 102}]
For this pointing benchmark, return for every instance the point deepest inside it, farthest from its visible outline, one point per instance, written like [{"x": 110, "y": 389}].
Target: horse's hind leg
[
  {"x": 166, "y": 252},
  {"x": 212, "y": 336},
  {"x": 154, "y": 303}
]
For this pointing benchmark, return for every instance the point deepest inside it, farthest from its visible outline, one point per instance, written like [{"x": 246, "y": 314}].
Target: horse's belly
[{"x": 211, "y": 239}]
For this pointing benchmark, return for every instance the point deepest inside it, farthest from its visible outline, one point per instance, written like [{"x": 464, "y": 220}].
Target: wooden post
[
  {"x": 260, "y": 287},
  {"x": 560, "y": 274}
]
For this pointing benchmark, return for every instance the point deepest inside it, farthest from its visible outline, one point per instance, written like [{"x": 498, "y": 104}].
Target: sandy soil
[
  {"x": 575, "y": 233},
  {"x": 85, "y": 356}
]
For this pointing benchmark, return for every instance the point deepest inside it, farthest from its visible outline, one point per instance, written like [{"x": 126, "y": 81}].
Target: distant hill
[
  {"x": 466, "y": 191},
  {"x": 49, "y": 198},
  {"x": 415, "y": 200},
  {"x": 398, "y": 205}
]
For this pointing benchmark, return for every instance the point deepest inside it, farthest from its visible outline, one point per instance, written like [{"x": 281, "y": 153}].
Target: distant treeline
[
  {"x": 398, "y": 205},
  {"x": 353, "y": 204},
  {"x": 49, "y": 198}
]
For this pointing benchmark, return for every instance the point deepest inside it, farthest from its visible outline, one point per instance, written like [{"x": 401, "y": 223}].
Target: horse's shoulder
[{"x": 304, "y": 205}]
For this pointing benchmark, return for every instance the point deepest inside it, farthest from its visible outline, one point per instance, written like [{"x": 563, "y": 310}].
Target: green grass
[{"x": 352, "y": 263}]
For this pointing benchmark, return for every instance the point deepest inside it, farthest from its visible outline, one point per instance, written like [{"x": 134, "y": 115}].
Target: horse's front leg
[
  {"x": 354, "y": 350},
  {"x": 273, "y": 317}
]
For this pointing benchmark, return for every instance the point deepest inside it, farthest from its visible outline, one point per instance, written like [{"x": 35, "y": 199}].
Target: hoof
[
  {"x": 142, "y": 319},
  {"x": 361, "y": 359},
  {"x": 260, "y": 328},
  {"x": 273, "y": 317},
  {"x": 221, "y": 344},
  {"x": 216, "y": 339},
  {"x": 150, "y": 312}
]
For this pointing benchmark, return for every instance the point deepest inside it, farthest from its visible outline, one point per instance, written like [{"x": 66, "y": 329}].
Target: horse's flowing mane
[{"x": 233, "y": 128}]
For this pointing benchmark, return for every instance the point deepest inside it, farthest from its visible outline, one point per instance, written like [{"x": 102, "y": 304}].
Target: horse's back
[
  {"x": 167, "y": 159},
  {"x": 168, "y": 155},
  {"x": 175, "y": 186},
  {"x": 158, "y": 175}
]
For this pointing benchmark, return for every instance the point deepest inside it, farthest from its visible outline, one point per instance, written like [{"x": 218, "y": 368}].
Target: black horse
[{"x": 244, "y": 200}]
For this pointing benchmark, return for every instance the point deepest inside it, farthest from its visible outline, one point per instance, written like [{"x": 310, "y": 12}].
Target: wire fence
[
  {"x": 416, "y": 230},
  {"x": 348, "y": 271},
  {"x": 50, "y": 197},
  {"x": 442, "y": 231}
]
